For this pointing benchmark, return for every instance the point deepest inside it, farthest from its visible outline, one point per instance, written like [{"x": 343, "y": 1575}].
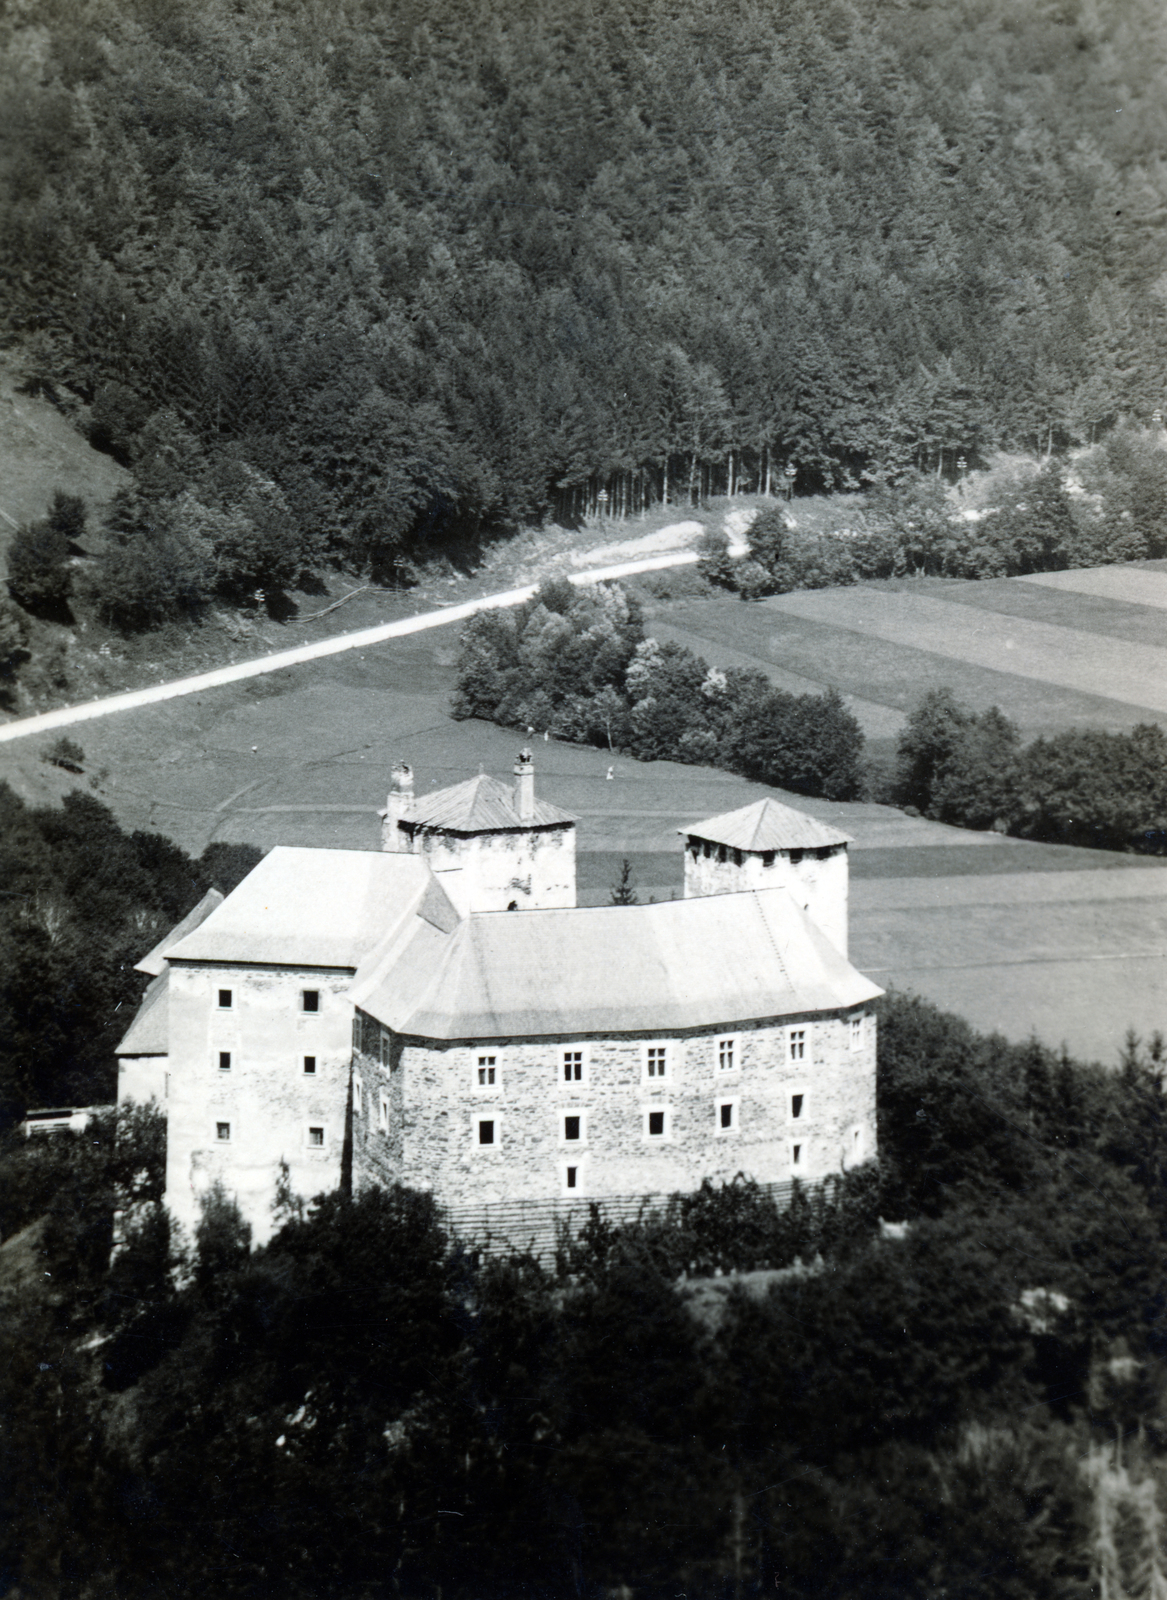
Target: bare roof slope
[
  {"x": 155, "y": 962},
  {"x": 315, "y": 908},
  {"x": 767, "y": 825},
  {"x": 149, "y": 1033},
  {"x": 710, "y": 961},
  {"x": 478, "y": 806}
]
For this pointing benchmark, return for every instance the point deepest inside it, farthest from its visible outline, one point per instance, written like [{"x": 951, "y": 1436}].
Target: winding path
[{"x": 67, "y": 716}]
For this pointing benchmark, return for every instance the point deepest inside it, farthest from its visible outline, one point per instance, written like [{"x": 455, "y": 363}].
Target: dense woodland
[
  {"x": 363, "y": 283},
  {"x": 81, "y": 902},
  {"x": 974, "y": 1404}
]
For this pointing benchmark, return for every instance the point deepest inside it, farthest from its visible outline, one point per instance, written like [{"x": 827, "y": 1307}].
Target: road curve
[{"x": 67, "y": 716}]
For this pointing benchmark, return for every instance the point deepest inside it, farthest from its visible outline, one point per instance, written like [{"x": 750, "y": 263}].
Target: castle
[{"x": 440, "y": 1013}]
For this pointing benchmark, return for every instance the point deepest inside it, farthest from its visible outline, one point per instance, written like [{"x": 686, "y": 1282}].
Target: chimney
[
  {"x": 525, "y": 786},
  {"x": 398, "y": 808}
]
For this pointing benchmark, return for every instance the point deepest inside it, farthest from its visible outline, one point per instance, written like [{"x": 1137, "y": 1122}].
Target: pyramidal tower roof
[
  {"x": 479, "y": 805},
  {"x": 767, "y": 825}
]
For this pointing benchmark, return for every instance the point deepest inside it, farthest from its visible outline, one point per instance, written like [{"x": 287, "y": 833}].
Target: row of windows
[
  {"x": 657, "y": 1058},
  {"x": 725, "y": 852},
  {"x": 657, "y": 1121},
  {"x": 309, "y": 1000},
  {"x": 307, "y": 1063},
  {"x": 315, "y": 1137}
]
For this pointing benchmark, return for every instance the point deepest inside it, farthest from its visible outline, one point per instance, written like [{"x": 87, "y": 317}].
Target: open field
[
  {"x": 1051, "y": 656},
  {"x": 1018, "y": 937}
]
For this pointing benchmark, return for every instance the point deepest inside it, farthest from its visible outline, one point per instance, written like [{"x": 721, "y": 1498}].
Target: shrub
[
  {"x": 154, "y": 568},
  {"x": 64, "y": 753},
  {"x": 39, "y": 574}
]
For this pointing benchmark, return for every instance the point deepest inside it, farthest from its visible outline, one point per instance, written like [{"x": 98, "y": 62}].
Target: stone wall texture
[
  {"x": 819, "y": 885},
  {"x": 773, "y": 1100},
  {"x": 266, "y": 1101},
  {"x": 534, "y": 869}
]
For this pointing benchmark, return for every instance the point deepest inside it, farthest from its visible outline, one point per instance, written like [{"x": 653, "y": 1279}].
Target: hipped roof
[
  {"x": 149, "y": 1033},
  {"x": 155, "y": 962},
  {"x": 711, "y": 961},
  {"x": 478, "y": 806},
  {"x": 316, "y": 908},
  {"x": 766, "y": 825}
]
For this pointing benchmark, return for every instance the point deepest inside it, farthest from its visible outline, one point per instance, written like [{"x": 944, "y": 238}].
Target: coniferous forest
[
  {"x": 370, "y": 282},
  {"x": 366, "y": 281}
]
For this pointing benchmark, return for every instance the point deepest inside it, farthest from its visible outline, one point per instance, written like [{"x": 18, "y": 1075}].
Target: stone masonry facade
[{"x": 616, "y": 1115}]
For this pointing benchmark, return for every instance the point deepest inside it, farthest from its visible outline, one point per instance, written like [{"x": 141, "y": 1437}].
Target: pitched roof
[
  {"x": 478, "y": 806},
  {"x": 149, "y": 1033},
  {"x": 316, "y": 908},
  {"x": 155, "y": 962},
  {"x": 710, "y": 961},
  {"x": 767, "y": 825}
]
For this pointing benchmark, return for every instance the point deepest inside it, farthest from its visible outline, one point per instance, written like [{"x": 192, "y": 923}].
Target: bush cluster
[
  {"x": 575, "y": 663},
  {"x": 1083, "y": 787}
]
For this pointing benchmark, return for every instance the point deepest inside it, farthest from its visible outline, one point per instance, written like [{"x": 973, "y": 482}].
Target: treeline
[
  {"x": 1084, "y": 787},
  {"x": 971, "y": 1401},
  {"x": 81, "y": 901},
  {"x": 1018, "y": 515},
  {"x": 574, "y": 662},
  {"x": 363, "y": 292}
]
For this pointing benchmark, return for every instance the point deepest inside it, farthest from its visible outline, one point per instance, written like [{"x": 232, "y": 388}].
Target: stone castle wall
[
  {"x": 534, "y": 869},
  {"x": 270, "y": 1106},
  {"x": 727, "y": 1104},
  {"x": 819, "y": 884}
]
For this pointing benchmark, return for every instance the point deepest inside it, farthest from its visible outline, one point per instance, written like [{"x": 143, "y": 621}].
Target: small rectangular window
[
  {"x": 656, "y": 1124},
  {"x": 487, "y": 1070},
  {"x": 725, "y": 1055},
  {"x": 726, "y": 1116},
  {"x": 856, "y": 1032},
  {"x": 485, "y": 1132},
  {"x": 796, "y": 1107},
  {"x": 225, "y": 999},
  {"x": 224, "y": 1060},
  {"x": 316, "y": 1137},
  {"x": 795, "y": 1155},
  {"x": 357, "y": 1043},
  {"x": 358, "y": 1095},
  {"x": 384, "y": 1049},
  {"x": 656, "y": 1061},
  {"x": 571, "y": 1177},
  {"x": 384, "y": 1113},
  {"x": 310, "y": 1066},
  {"x": 223, "y": 1132},
  {"x": 571, "y": 1127},
  {"x": 798, "y": 1044},
  {"x": 310, "y": 999},
  {"x": 573, "y": 1066}
]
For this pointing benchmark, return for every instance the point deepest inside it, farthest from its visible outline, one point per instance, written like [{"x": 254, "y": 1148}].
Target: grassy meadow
[{"x": 1022, "y": 937}]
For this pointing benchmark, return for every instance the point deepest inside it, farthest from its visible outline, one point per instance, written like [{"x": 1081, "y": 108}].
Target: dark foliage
[
  {"x": 1107, "y": 791},
  {"x": 383, "y": 1413},
  {"x": 82, "y": 902},
  {"x": 464, "y": 268}
]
